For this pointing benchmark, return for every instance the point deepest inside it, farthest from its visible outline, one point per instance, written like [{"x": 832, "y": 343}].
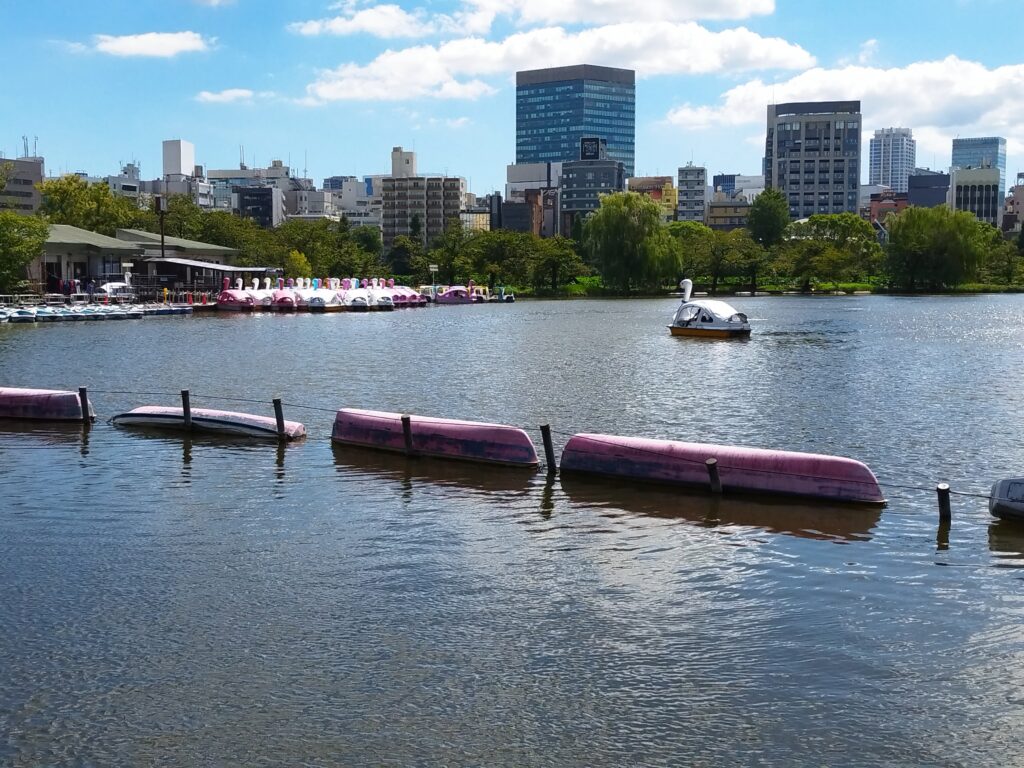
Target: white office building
[
  {"x": 893, "y": 155},
  {"x": 179, "y": 159}
]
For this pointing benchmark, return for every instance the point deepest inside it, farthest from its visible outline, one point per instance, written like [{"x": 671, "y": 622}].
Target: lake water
[{"x": 172, "y": 602}]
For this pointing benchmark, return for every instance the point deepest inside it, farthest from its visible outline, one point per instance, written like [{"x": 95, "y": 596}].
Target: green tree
[
  {"x": 406, "y": 257},
  {"x": 416, "y": 227},
  {"x": 296, "y": 265},
  {"x": 71, "y": 200},
  {"x": 555, "y": 261},
  {"x": 502, "y": 256},
  {"x": 21, "y": 240},
  {"x": 935, "y": 247},
  {"x": 1020, "y": 242},
  {"x": 627, "y": 243},
  {"x": 693, "y": 243},
  {"x": 768, "y": 218},
  {"x": 368, "y": 239},
  {"x": 831, "y": 247},
  {"x": 451, "y": 252},
  {"x": 183, "y": 218}
]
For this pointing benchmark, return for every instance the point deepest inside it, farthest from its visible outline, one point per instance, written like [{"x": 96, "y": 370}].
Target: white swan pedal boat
[{"x": 707, "y": 317}]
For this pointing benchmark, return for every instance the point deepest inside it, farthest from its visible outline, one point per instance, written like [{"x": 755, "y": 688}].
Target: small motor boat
[
  {"x": 1007, "y": 499},
  {"x": 707, "y": 317}
]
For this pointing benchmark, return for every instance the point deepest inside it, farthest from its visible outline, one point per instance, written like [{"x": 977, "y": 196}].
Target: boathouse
[
  {"x": 184, "y": 264},
  {"x": 71, "y": 253}
]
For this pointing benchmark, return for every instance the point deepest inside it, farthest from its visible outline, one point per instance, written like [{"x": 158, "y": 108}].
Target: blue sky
[{"x": 334, "y": 85}]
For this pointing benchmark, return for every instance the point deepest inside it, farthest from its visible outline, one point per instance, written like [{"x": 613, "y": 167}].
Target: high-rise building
[
  {"x": 179, "y": 159},
  {"x": 812, "y": 155},
  {"x": 693, "y": 193},
  {"x": 586, "y": 180},
  {"x": 557, "y": 107},
  {"x": 892, "y": 155},
  {"x": 982, "y": 152},
  {"x": 433, "y": 200}
]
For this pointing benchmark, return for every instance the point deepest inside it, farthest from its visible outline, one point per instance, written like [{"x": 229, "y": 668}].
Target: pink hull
[
  {"x": 41, "y": 404},
  {"x": 209, "y": 420},
  {"x": 444, "y": 438},
  {"x": 741, "y": 469}
]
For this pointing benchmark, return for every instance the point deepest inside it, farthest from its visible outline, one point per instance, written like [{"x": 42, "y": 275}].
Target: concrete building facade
[
  {"x": 982, "y": 152},
  {"x": 21, "y": 193},
  {"x": 557, "y": 107},
  {"x": 179, "y": 159},
  {"x": 583, "y": 184},
  {"x": 892, "y": 155},
  {"x": 434, "y": 199},
  {"x": 693, "y": 193},
  {"x": 812, "y": 155},
  {"x": 927, "y": 188},
  {"x": 977, "y": 190}
]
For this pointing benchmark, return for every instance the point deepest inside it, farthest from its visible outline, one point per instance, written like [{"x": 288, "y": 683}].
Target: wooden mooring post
[
  {"x": 186, "y": 409},
  {"x": 407, "y": 433},
  {"x": 83, "y": 398},
  {"x": 279, "y": 415},
  {"x": 945, "y": 511},
  {"x": 549, "y": 449},
  {"x": 713, "y": 478}
]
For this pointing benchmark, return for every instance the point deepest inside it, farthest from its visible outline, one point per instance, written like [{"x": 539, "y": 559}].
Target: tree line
[
  {"x": 624, "y": 243},
  {"x": 924, "y": 248}
]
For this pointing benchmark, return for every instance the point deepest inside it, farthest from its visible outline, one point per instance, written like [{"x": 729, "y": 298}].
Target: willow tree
[
  {"x": 625, "y": 240},
  {"x": 935, "y": 247}
]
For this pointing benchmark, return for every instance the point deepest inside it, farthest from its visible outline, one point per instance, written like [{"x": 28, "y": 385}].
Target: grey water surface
[{"x": 197, "y": 602}]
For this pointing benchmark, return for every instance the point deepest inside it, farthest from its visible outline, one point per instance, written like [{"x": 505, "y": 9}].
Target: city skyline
[{"x": 333, "y": 86}]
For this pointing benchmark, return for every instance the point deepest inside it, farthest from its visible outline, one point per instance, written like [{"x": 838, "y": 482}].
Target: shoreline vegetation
[{"x": 624, "y": 248}]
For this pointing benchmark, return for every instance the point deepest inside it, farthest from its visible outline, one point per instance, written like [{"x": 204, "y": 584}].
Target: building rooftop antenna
[{"x": 24, "y": 142}]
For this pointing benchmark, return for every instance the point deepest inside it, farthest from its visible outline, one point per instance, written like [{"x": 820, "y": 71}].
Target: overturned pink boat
[
  {"x": 208, "y": 420},
  {"x": 752, "y": 470},
  {"x": 42, "y": 405},
  {"x": 443, "y": 438}
]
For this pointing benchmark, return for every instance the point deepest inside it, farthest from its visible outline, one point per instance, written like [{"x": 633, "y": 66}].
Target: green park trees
[
  {"x": 626, "y": 243},
  {"x": 21, "y": 240},
  {"x": 935, "y": 247},
  {"x": 71, "y": 200}
]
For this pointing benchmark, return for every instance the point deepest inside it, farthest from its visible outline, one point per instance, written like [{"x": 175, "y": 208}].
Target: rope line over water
[{"x": 697, "y": 462}]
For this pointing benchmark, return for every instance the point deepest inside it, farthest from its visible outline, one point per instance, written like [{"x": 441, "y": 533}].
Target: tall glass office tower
[
  {"x": 985, "y": 152},
  {"x": 557, "y": 107}
]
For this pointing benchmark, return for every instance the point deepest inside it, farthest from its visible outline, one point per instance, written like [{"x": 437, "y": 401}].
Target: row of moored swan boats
[{"x": 338, "y": 294}]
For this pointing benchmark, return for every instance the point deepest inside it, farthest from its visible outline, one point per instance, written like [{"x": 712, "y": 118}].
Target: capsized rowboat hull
[{"x": 209, "y": 420}]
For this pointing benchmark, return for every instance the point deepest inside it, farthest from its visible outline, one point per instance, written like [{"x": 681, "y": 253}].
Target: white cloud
[
  {"x": 938, "y": 99},
  {"x": 868, "y": 49},
  {"x": 226, "y": 96},
  {"x": 614, "y": 11},
  {"x": 214, "y": 3},
  {"x": 458, "y": 122},
  {"x": 384, "y": 21},
  {"x": 454, "y": 69},
  {"x": 475, "y": 17},
  {"x": 155, "y": 44}
]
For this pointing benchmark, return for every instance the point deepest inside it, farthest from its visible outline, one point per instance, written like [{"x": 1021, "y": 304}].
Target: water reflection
[
  {"x": 424, "y": 469},
  {"x": 827, "y": 521},
  {"x": 37, "y": 434},
  {"x": 1006, "y": 541}
]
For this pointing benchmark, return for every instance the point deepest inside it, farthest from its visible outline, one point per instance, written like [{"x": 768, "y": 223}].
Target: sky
[{"x": 331, "y": 86}]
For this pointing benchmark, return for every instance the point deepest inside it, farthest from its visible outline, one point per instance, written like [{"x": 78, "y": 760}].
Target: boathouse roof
[
  {"x": 64, "y": 236},
  {"x": 178, "y": 244}
]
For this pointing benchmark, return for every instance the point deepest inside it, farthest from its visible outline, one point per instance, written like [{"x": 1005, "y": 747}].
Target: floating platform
[
  {"x": 42, "y": 405},
  {"x": 442, "y": 438},
  {"x": 751, "y": 470},
  {"x": 208, "y": 420}
]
